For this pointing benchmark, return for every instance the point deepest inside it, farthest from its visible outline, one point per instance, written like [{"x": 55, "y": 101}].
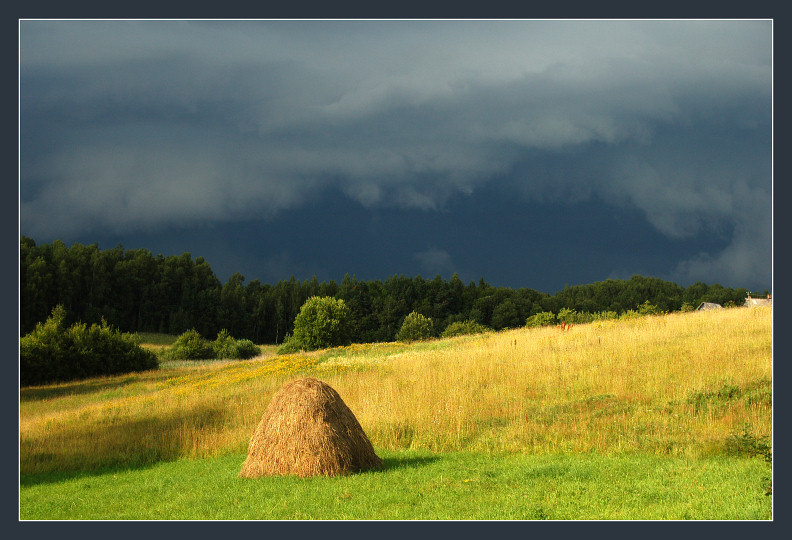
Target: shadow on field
[
  {"x": 30, "y": 480},
  {"x": 94, "y": 448},
  {"x": 85, "y": 387},
  {"x": 411, "y": 462}
]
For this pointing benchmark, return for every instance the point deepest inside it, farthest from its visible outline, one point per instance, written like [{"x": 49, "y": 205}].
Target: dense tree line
[{"x": 139, "y": 292}]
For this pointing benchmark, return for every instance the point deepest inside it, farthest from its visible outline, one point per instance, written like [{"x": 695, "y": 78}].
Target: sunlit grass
[
  {"x": 634, "y": 385},
  {"x": 153, "y": 339},
  {"x": 416, "y": 485},
  {"x": 677, "y": 385}
]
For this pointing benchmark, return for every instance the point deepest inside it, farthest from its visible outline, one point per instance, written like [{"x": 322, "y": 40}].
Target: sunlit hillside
[{"x": 678, "y": 384}]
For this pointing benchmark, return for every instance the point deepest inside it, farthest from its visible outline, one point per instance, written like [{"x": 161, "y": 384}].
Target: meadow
[{"x": 657, "y": 417}]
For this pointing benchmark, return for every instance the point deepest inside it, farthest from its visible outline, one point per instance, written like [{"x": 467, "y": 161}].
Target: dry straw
[{"x": 308, "y": 430}]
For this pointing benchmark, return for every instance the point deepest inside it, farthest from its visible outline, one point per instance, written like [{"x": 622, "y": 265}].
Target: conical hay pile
[{"x": 307, "y": 430}]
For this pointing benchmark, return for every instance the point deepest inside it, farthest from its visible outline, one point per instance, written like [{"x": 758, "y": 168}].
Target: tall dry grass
[
  {"x": 674, "y": 384},
  {"x": 677, "y": 384}
]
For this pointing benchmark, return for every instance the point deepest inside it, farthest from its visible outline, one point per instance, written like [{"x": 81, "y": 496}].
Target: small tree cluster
[
  {"x": 190, "y": 345},
  {"x": 226, "y": 346},
  {"x": 52, "y": 352},
  {"x": 568, "y": 316},
  {"x": 416, "y": 327}
]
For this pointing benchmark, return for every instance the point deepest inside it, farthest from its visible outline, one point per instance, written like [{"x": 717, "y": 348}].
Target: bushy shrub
[
  {"x": 746, "y": 443},
  {"x": 42, "y": 351},
  {"x": 416, "y": 327},
  {"x": 604, "y": 315},
  {"x": 462, "y": 328},
  {"x": 53, "y": 353},
  {"x": 544, "y": 318},
  {"x": 290, "y": 345},
  {"x": 244, "y": 349},
  {"x": 190, "y": 346},
  {"x": 322, "y": 322},
  {"x": 226, "y": 346},
  {"x": 569, "y": 316}
]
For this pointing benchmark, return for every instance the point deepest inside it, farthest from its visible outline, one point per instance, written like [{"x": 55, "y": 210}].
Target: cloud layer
[{"x": 142, "y": 125}]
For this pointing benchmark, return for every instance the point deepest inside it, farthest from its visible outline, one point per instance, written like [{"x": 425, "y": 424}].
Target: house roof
[{"x": 751, "y": 302}]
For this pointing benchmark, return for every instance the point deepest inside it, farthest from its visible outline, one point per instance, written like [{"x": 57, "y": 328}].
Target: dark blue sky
[
  {"x": 530, "y": 153},
  {"x": 508, "y": 243}
]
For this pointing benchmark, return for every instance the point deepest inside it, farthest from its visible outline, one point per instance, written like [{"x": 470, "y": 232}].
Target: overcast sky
[{"x": 530, "y": 153}]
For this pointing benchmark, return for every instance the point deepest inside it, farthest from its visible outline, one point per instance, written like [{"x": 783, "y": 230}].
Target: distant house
[
  {"x": 709, "y": 305},
  {"x": 759, "y": 302}
]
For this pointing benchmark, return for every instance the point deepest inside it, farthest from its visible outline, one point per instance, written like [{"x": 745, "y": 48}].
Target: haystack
[{"x": 308, "y": 430}]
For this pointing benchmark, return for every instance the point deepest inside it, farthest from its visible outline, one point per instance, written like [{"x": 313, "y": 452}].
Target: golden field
[{"x": 677, "y": 384}]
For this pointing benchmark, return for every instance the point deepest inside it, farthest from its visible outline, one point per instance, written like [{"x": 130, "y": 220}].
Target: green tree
[
  {"x": 233, "y": 309},
  {"x": 322, "y": 322},
  {"x": 415, "y": 327},
  {"x": 36, "y": 290},
  {"x": 648, "y": 309},
  {"x": 363, "y": 321},
  {"x": 506, "y": 315}
]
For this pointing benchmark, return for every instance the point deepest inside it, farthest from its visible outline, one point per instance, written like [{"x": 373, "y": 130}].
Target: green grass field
[
  {"x": 417, "y": 485},
  {"x": 658, "y": 418}
]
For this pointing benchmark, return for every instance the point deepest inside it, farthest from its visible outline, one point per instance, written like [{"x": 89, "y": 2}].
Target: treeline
[{"x": 136, "y": 291}]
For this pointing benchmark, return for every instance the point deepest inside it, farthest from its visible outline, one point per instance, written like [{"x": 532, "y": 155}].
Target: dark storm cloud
[{"x": 140, "y": 125}]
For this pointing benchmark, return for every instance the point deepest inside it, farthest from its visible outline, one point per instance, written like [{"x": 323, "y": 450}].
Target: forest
[{"x": 136, "y": 291}]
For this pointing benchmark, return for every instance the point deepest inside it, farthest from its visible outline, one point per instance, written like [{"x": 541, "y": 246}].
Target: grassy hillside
[
  {"x": 678, "y": 384},
  {"x": 684, "y": 386}
]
